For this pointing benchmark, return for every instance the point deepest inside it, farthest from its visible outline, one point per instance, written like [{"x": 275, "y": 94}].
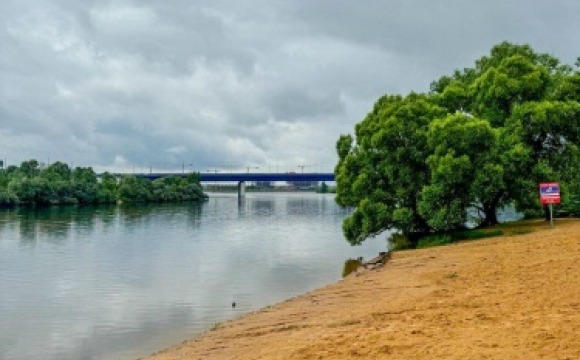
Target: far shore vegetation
[
  {"x": 31, "y": 184},
  {"x": 482, "y": 138}
]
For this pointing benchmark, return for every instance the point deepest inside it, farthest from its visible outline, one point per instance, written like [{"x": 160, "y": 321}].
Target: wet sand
[{"x": 512, "y": 297}]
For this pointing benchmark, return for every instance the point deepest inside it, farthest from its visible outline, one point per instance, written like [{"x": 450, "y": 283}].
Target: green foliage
[
  {"x": 33, "y": 191},
  {"x": 400, "y": 242},
  {"x": 176, "y": 189},
  {"x": 57, "y": 171},
  {"x": 31, "y": 185},
  {"x": 571, "y": 187},
  {"x": 29, "y": 169},
  {"x": 107, "y": 189},
  {"x": 8, "y": 199},
  {"x": 482, "y": 138},
  {"x": 474, "y": 234},
  {"x": 134, "y": 189},
  {"x": 568, "y": 89},
  {"x": 6, "y": 175},
  {"x": 420, "y": 241},
  {"x": 167, "y": 189},
  {"x": 434, "y": 240},
  {"x": 384, "y": 173},
  {"x": 547, "y": 127}
]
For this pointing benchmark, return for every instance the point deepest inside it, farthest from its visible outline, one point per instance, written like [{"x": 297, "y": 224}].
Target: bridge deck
[{"x": 237, "y": 177}]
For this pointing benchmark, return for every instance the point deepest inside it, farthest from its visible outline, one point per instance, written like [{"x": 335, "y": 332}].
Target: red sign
[{"x": 550, "y": 193}]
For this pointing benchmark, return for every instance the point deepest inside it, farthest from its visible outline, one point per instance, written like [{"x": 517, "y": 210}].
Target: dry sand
[{"x": 515, "y": 297}]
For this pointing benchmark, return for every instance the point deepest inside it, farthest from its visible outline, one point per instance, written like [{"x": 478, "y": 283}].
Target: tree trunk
[
  {"x": 490, "y": 211},
  {"x": 490, "y": 216}
]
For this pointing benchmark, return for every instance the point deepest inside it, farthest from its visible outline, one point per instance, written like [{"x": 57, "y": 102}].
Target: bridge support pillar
[{"x": 241, "y": 189}]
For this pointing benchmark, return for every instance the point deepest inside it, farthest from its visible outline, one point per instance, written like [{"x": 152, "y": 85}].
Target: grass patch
[
  {"x": 420, "y": 241},
  {"x": 434, "y": 240},
  {"x": 474, "y": 234},
  {"x": 453, "y": 236},
  {"x": 526, "y": 226}
]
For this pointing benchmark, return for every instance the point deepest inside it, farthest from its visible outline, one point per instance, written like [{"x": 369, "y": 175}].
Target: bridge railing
[{"x": 239, "y": 177}]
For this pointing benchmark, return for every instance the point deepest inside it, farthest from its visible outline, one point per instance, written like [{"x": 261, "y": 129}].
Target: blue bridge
[
  {"x": 242, "y": 178},
  {"x": 237, "y": 177}
]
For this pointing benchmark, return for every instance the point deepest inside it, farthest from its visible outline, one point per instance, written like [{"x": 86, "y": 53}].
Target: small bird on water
[{"x": 233, "y": 305}]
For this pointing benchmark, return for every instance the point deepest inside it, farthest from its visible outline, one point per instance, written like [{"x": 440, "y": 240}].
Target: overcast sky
[{"x": 230, "y": 84}]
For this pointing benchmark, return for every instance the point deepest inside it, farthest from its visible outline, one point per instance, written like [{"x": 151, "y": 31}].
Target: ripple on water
[{"x": 120, "y": 282}]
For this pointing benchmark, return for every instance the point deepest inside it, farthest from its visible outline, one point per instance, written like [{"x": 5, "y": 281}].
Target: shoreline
[{"x": 509, "y": 297}]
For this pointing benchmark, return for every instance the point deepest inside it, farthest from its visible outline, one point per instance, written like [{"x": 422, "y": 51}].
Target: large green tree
[
  {"x": 464, "y": 171},
  {"x": 481, "y": 138},
  {"x": 383, "y": 173}
]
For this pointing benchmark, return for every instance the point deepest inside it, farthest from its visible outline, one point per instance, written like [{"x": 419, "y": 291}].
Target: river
[{"x": 119, "y": 282}]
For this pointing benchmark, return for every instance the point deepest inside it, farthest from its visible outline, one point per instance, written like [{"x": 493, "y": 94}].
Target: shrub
[
  {"x": 400, "y": 242},
  {"x": 8, "y": 199},
  {"x": 571, "y": 205}
]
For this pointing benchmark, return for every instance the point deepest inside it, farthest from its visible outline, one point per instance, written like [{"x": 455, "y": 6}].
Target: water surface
[{"x": 121, "y": 282}]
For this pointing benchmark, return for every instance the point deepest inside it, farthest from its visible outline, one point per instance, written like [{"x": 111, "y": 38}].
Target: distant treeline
[{"x": 57, "y": 184}]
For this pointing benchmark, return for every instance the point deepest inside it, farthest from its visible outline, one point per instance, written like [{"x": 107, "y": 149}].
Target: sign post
[{"x": 549, "y": 195}]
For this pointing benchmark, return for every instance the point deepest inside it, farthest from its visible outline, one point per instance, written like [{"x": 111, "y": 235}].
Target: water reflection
[
  {"x": 53, "y": 223},
  {"x": 302, "y": 206},
  {"x": 138, "y": 215},
  {"x": 241, "y": 205},
  {"x": 350, "y": 266},
  {"x": 58, "y": 224},
  {"x": 114, "y": 282},
  {"x": 262, "y": 207}
]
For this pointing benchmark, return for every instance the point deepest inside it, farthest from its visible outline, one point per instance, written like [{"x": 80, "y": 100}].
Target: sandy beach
[{"x": 511, "y": 297}]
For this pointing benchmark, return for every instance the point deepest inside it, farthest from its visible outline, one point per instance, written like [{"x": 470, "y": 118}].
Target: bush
[
  {"x": 571, "y": 206},
  {"x": 400, "y": 242},
  {"x": 33, "y": 191},
  {"x": 533, "y": 212},
  {"x": 8, "y": 199}
]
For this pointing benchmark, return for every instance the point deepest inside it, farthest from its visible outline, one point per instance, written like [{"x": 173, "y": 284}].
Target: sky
[{"x": 261, "y": 86}]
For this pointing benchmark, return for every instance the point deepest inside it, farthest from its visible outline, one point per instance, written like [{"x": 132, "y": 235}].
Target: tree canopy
[
  {"x": 481, "y": 138},
  {"x": 31, "y": 184}
]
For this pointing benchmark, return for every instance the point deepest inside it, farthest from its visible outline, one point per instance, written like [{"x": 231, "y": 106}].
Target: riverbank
[{"x": 512, "y": 297}]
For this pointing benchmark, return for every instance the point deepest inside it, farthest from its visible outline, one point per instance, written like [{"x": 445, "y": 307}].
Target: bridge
[{"x": 242, "y": 178}]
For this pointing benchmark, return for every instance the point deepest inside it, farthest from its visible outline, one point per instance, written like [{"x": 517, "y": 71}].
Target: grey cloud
[
  {"x": 434, "y": 38},
  {"x": 234, "y": 84}
]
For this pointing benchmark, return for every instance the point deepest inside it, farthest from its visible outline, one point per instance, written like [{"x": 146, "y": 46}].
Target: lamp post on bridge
[
  {"x": 247, "y": 172},
  {"x": 183, "y": 167}
]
